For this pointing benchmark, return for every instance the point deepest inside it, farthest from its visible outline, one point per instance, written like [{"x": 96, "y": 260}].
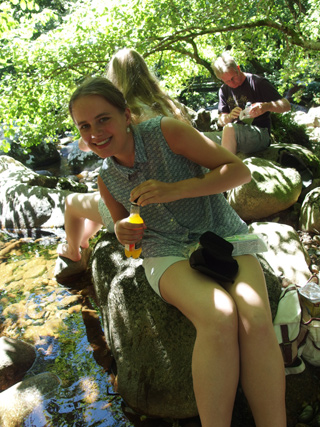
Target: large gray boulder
[
  {"x": 151, "y": 341},
  {"x": 32, "y": 201},
  {"x": 286, "y": 255},
  {"x": 272, "y": 189}
]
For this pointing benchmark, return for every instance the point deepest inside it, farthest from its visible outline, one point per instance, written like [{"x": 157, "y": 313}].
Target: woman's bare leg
[
  {"x": 215, "y": 362},
  {"x": 262, "y": 369},
  {"x": 90, "y": 229},
  {"x": 81, "y": 210}
]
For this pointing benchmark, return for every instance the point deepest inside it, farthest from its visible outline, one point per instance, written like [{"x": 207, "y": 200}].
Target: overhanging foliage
[{"x": 48, "y": 47}]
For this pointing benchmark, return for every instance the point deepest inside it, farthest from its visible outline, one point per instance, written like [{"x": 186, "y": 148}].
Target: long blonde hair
[{"x": 130, "y": 74}]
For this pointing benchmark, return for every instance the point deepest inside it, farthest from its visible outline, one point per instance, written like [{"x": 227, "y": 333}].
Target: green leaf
[{"x": 47, "y": 51}]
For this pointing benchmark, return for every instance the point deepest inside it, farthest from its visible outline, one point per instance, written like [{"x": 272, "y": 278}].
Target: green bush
[{"x": 285, "y": 130}]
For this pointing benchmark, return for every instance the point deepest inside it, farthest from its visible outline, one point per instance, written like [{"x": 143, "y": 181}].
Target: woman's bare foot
[
  {"x": 64, "y": 251},
  {"x": 84, "y": 244}
]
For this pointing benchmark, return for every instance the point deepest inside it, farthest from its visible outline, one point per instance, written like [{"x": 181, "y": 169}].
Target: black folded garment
[{"x": 214, "y": 258}]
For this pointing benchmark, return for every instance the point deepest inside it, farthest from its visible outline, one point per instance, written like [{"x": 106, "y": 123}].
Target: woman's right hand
[{"x": 128, "y": 233}]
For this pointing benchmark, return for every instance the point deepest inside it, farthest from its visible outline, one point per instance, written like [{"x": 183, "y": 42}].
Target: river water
[
  {"x": 63, "y": 323},
  {"x": 37, "y": 309}
]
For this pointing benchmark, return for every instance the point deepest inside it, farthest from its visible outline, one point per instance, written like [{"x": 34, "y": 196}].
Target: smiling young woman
[
  {"x": 104, "y": 128},
  {"x": 180, "y": 191}
]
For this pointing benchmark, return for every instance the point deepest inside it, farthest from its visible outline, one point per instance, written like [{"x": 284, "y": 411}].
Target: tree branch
[{"x": 192, "y": 33}]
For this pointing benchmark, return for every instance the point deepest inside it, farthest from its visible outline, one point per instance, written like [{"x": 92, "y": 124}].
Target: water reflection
[
  {"x": 38, "y": 310},
  {"x": 63, "y": 324}
]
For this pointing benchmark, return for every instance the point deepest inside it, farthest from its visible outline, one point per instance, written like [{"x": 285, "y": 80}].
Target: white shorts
[{"x": 154, "y": 268}]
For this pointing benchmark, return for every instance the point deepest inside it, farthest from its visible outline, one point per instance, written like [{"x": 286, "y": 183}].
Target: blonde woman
[
  {"x": 179, "y": 189},
  {"x": 86, "y": 214}
]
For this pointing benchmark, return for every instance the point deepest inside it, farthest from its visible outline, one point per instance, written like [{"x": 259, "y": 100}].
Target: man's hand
[
  {"x": 235, "y": 113},
  {"x": 258, "y": 108},
  {"x": 224, "y": 118}
]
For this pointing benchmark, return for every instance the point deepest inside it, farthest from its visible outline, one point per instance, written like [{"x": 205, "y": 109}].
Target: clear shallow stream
[{"x": 62, "y": 322}]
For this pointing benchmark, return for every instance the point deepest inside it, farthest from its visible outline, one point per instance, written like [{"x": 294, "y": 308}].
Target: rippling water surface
[
  {"x": 62, "y": 322},
  {"x": 38, "y": 310}
]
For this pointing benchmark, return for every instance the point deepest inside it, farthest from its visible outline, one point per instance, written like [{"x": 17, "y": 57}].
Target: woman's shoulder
[
  {"x": 160, "y": 125},
  {"x": 150, "y": 123}
]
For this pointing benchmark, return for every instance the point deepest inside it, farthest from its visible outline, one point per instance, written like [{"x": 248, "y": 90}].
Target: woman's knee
[
  {"x": 72, "y": 203},
  {"x": 257, "y": 321},
  {"x": 76, "y": 202},
  {"x": 220, "y": 320}
]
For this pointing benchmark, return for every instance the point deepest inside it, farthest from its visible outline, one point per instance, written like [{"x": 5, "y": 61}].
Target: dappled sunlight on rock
[
  {"x": 272, "y": 189},
  {"x": 286, "y": 256},
  {"x": 310, "y": 212}
]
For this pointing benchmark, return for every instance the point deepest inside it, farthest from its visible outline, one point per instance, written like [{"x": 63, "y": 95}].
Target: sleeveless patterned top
[{"x": 172, "y": 228}]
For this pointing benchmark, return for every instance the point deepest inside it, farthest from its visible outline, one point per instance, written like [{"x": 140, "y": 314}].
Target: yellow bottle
[{"x": 134, "y": 250}]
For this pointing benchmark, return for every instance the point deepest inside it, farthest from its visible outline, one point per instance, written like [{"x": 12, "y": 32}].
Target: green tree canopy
[{"x": 49, "y": 47}]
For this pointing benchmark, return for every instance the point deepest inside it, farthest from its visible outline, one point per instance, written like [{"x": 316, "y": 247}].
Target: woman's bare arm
[
  {"x": 226, "y": 170},
  {"x": 126, "y": 232}
]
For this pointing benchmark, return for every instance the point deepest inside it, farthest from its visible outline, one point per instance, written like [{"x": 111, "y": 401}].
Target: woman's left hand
[{"x": 153, "y": 191}]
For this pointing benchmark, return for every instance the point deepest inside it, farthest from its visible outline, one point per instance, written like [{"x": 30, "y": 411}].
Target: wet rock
[
  {"x": 16, "y": 358},
  {"x": 69, "y": 301},
  {"x": 18, "y": 401},
  {"x": 65, "y": 268}
]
